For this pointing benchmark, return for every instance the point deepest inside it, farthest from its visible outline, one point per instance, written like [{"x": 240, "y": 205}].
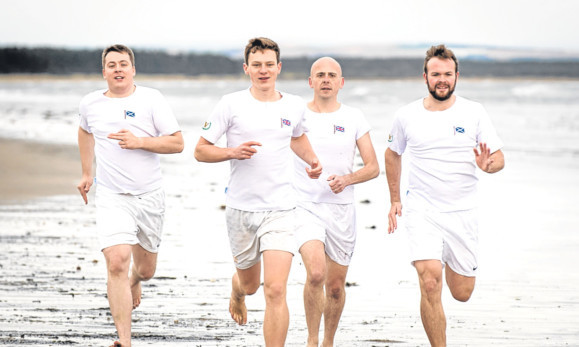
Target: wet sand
[
  {"x": 31, "y": 169},
  {"x": 53, "y": 280}
]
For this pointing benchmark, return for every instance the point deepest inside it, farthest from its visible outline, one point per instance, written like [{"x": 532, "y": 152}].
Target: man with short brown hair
[
  {"x": 448, "y": 137},
  {"x": 263, "y": 127},
  {"x": 125, "y": 127}
]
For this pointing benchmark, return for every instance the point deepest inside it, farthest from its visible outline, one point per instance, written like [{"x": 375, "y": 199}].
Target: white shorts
[
  {"x": 130, "y": 219},
  {"x": 251, "y": 233},
  {"x": 333, "y": 224},
  {"x": 451, "y": 237}
]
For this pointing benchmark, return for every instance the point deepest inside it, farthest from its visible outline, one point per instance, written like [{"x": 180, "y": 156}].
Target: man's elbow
[
  {"x": 375, "y": 171},
  {"x": 198, "y": 155},
  {"x": 499, "y": 167},
  {"x": 180, "y": 147},
  {"x": 499, "y": 160}
]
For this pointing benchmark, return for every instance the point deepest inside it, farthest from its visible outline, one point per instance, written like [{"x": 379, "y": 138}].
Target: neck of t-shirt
[
  {"x": 433, "y": 105},
  {"x": 265, "y": 95},
  {"x": 120, "y": 94},
  {"x": 319, "y": 106}
]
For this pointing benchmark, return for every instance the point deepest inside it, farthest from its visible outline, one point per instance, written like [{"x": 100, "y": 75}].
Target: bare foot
[
  {"x": 237, "y": 309},
  {"x": 136, "y": 292}
]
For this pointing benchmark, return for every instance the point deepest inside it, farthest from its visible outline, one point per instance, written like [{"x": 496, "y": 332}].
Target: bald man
[{"x": 326, "y": 230}]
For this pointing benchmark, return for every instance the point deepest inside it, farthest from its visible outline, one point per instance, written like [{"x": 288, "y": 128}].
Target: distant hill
[{"x": 15, "y": 60}]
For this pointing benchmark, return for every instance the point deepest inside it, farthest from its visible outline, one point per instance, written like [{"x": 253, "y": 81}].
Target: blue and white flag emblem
[{"x": 130, "y": 114}]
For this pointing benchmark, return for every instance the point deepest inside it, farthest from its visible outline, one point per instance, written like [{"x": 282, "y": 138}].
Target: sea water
[{"x": 538, "y": 116}]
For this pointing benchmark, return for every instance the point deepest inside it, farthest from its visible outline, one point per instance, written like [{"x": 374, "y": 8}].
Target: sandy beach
[
  {"x": 53, "y": 291},
  {"x": 34, "y": 169}
]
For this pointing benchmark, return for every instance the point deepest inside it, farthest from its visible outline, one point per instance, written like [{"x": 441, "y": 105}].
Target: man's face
[
  {"x": 118, "y": 71},
  {"x": 326, "y": 78},
  {"x": 263, "y": 69},
  {"x": 441, "y": 78}
]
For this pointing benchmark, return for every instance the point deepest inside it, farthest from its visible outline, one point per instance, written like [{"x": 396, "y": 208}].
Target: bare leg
[
  {"x": 335, "y": 300},
  {"x": 144, "y": 267},
  {"x": 118, "y": 259},
  {"x": 314, "y": 258},
  {"x": 460, "y": 286},
  {"x": 431, "y": 311},
  {"x": 276, "y": 266},
  {"x": 244, "y": 282}
]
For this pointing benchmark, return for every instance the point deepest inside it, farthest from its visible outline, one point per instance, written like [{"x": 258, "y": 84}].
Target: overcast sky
[{"x": 212, "y": 25}]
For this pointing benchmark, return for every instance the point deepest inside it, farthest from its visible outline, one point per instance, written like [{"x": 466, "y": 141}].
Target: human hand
[
  {"x": 126, "y": 139},
  {"x": 483, "y": 159},
  {"x": 395, "y": 210},
  {"x": 245, "y": 150},
  {"x": 316, "y": 169},
  {"x": 84, "y": 187},
  {"x": 337, "y": 183}
]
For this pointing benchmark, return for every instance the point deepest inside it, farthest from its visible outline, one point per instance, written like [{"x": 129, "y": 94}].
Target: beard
[{"x": 441, "y": 97}]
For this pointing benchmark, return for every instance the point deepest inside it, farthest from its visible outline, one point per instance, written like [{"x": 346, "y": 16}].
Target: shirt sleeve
[
  {"x": 302, "y": 126},
  {"x": 396, "y": 138},
  {"x": 83, "y": 123},
  {"x": 164, "y": 118},
  {"x": 487, "y": 132},
  {"x": 362, "y": 126},
  {"x": 217, "y": 123}
]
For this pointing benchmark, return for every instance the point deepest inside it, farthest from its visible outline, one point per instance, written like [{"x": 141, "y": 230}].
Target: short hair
[
  {"x": 120, "y": 49},
  {"x": 261, "y": 44},
  {"x": 441, "y": 52}
]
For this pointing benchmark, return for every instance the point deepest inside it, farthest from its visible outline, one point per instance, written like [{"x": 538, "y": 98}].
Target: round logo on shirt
[{"x": 206, "y": 125}]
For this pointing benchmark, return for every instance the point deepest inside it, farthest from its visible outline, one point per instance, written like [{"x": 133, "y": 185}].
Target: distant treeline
[{"x": 14, "y": 60}]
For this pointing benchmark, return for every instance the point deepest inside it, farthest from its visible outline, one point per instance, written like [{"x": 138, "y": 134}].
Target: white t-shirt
[
  {"x": 264, "y": 182},
  {"x": 442, "y": 168},
  {"x": 333, "y": 137},
  {"x": 145, "y": 113}
]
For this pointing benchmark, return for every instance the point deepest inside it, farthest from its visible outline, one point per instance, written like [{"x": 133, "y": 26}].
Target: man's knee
[
  {"x": 432, "y": 286},
  {"x": 146, "y": 273},
  {"x": 462, "y": 293},
  {"x": 316, "y": 277},
  {"x": 335, "y": 291},
  {"x": 430, "y": 276},
  {"x": 274, "y": 292},
  {"x": 118, "y": 263},
  {"x": 250, "y": 288},
  {"x": 461, "y": 287}
]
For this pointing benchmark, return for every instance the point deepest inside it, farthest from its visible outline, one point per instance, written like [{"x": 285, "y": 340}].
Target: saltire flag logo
[
  {"x": 458, "y": 130},
  {"x": 286, "y": 122},
  {"x": 129, "y": 113},
  {"x": 338, "y": 128}
]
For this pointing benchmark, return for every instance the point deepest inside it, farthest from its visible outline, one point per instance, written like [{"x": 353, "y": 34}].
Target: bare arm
[
  {"x": 206, "y": 151},
  {"x": 393, "y": 163},
  {"x": 369, "y": 171},
  {"x": 86, "y": 149},
  {"x": 489, "y": 163},
  {"x": 166, "y": 144},
  {"x": 303, "y": 149}
]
